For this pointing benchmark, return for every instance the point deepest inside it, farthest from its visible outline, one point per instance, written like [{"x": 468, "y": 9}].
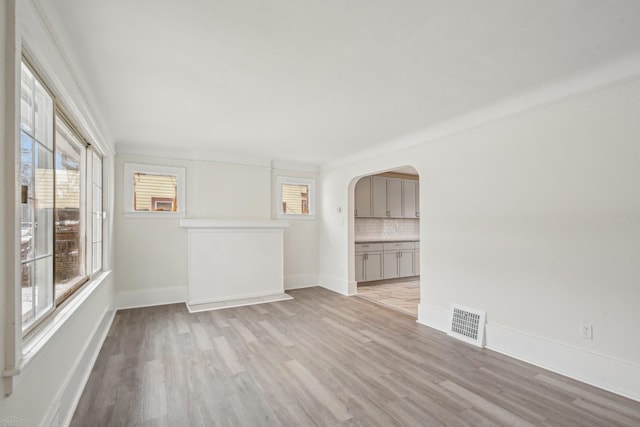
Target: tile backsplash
[{"x": 387, "y": 229}]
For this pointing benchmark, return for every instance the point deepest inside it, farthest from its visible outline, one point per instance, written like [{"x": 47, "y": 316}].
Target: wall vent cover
[{"x": 467, "y": 324}]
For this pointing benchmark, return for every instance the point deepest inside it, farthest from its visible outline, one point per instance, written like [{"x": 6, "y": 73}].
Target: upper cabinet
[
  {"x": 382, "y": 197},
  {"x": 410, "y": 194},
  {"x": 363, "y": 198},
  {"x": 379, "y": 196},
  {"x": 394, "y": 198}
]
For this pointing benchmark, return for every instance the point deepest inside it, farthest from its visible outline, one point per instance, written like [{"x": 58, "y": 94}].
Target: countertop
[{"x": 387, "y": 241}]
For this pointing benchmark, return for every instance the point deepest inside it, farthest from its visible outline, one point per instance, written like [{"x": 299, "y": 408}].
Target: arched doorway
[{"x": 385, "y": 239}]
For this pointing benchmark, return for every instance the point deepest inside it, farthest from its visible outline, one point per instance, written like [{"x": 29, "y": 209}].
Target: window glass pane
[
  {"x": 69, "y": 253},
  {"x": 36, "y": 201},
  {"x": 295, "y": 199},
  {"x": 26, "y": 100},
  {"x": 27, "y": 281},
  {"x": 154, "y": 192},
  {"x": 97, "y": 213},
  {"x": 43, "y": 202},
  {"x": 43, "y": 116},
  {"x": 43, "y": 290}
]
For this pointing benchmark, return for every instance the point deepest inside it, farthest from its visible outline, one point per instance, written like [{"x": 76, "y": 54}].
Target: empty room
[{"x": 320, "y": 213}]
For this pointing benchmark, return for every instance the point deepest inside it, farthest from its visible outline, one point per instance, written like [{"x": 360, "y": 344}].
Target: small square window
[
  {"x": 154, "y": 190},
  {"x": 296, "y": 197}
]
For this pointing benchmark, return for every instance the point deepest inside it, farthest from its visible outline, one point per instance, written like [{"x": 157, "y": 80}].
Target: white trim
[
  {"x": 299, "y": 281},
  {"x": 70, "y": 391},
  {"x": 239, "y": 302},
  {"x": 335, "y": 284},
  {"x": 292, "y": 180},
  {"x": 190, "y": 154},
  {"x": 151, "y": 297},
  {"x": 434, "y": 317},
  {"x": 229, "y": 298},
  {"x": 614, "y": 375},
  {"x": 227, "y": 224},
  {"x": 598, "y": 370},
  {"x": 128, "y": 192},
  {"x": 610, "y": 75},
  {"x": 288, "y": 165},
  {"x": 44, "y": 333}
]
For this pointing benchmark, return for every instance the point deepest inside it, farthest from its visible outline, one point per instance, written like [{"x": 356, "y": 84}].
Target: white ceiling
[{"x": 316, "y": 80}]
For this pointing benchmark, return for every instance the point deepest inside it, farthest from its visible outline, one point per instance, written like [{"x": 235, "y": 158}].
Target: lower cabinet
[
  {"x": 376, "y": 261},
  {"x": 369, "y": 262}
]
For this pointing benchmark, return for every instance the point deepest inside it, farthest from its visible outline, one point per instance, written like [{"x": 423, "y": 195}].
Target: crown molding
[{"x": 613, "y": 74}]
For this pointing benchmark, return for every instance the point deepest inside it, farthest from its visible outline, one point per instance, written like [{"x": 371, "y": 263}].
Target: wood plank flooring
[
  {"x": 403, "y": 296},
  {"x": 321, "y": 359}
]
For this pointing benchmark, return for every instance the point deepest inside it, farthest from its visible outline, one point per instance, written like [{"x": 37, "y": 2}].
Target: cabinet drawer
[
  {"x": 368, "y": 247},
  {"x": 392, "y": 246},
  {"x": 417, "y": 245}
]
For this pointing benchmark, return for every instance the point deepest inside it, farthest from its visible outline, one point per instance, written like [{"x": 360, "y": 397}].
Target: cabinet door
[
  {"x": 363, "y": 197},
  {"x": 394, "y": 198},
  {"x": 379, "y": 196},
  {"x": 417, "y": 199},
  {"x": 405, "y": 263},
  {"x": 390, "y": 265},
  {"x": 416, "y": 262},
  {"x": 359, "y": 267},
  {"x": 373, "y": 266},
  {"x": 409, "y": 198}
]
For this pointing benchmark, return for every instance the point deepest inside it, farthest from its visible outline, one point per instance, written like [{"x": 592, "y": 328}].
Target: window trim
[
  {"x": 292, "y": 180},
  {"x": 130, "y": 169},
  {"x": 59, "y": 113}
]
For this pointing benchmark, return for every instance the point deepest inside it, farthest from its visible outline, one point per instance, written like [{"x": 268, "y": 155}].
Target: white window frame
[
  {"x": 130, "y": 169},
  {"x": 310, "y": 183}
]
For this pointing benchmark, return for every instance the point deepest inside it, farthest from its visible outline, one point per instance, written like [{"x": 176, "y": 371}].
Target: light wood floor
[
  {"x": 321, "y": 360},
  {"x": 403, "y": 296}
]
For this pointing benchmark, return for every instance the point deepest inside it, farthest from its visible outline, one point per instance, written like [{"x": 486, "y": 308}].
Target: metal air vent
[{"x": 467, "y": 324}]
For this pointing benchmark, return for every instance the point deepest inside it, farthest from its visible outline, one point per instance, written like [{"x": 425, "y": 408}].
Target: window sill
[
  {"x": 45, "y": 333},
  {"x": 157, "y": 215},
  {"x": 295, "y": 216}
]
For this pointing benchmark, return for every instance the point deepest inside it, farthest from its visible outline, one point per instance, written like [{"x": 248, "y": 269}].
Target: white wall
[
  {"x": 151, "y": 254},
  {"x": 52, "y": 377},
  {"x": 534, "y": 218},
  {"x": 300, "y": 252}
]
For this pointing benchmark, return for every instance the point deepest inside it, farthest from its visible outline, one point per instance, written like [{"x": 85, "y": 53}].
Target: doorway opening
[{"x": 386, "y": 239}]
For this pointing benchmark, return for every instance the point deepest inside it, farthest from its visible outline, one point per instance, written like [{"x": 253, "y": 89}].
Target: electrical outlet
[{"x": 586, "y": 331}]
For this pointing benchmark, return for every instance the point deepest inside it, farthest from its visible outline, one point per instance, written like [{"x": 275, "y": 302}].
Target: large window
[{"x": 61, "y": 204}]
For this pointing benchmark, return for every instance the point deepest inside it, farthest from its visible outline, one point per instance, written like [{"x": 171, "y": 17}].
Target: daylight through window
[{"x": 56, "y": 223}]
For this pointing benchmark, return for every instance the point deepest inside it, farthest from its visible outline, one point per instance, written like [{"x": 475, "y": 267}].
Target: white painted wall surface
[
  {"x": 300, "y": 252},
  {"x": 46, "y": 391},
  {"x": 534, "y": 218},
  {"x": 151, "y": 254}
]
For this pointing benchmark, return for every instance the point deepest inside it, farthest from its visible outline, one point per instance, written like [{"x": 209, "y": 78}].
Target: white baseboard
[
  {"x": 299, "y": 281},
  {"x": 75, "y": 382},
  {"x": 151, "y": 297},
  {"x": 434, "y": 317},
  {"x": 335, "y": 284},
  {"x": 601, "y": 371}
]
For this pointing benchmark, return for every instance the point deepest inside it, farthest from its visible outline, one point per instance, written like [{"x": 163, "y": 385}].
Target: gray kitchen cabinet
[
  {"x": 410, "y": 198},
  {"x": 359, "y": 267},
  {"x": 398, "y": 259},
  {"x": 368, "y": 261},
  {"x": 373, "y": 266},
  {"x": 405, "y": 263},
  {"x": 363, "y": 198},
  {"x": 416, "y": 262},
  {"x": 391, "y": 265},
  {"x": 379, "y": 196},
  {"x": 394, "y": 198}
]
